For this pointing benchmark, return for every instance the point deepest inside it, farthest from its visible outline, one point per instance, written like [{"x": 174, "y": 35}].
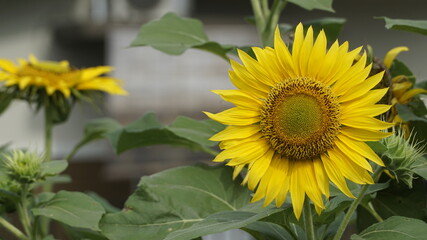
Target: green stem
[
  {"x": 354, "y": 205},
  {"x": 12, "y": 229},
  {"x": 272, "y": 21},
  {"x": 47, "y": 187},
  {"x": 372, "y": 211},
  {"x": 265, "y": 8},
  {"x": 308, "y": 220},
  {"x": 23, "y": 210},
  {"x": 48, "y": 127},
  {"x": 259, "y": 16}
]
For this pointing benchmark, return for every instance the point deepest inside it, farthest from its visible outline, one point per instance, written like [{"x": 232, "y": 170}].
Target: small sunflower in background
[
  {"x": 54, "y": 84},
  {"x": 301, "y": 119}
]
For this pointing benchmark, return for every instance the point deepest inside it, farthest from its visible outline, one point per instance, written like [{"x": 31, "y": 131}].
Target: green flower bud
[
  {"x": 401, "y": 154},
  {"x": 23, "y": 166}
]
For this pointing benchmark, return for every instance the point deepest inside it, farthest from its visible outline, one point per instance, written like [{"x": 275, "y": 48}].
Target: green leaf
[
  {"x": 72, "y": 208},
  {"x": 184, "y": 132},
  {"x": 416, "y": 26},
  {"x": 53, "y": 168},
  {"x": 420, "y": 167},
  {"x": 220, "y": 222},
  {"x": 407, "y": 115},
  {"x": 268, "y": 231},
  {"x": 394, "y": 228},
  {"x": 325, "y": 5},
  {"x": 175, "y": 199},
  {"x": 331, "y": 26},
  {"x": 104, "y": 203},
  {"x": 398, "y": 200},
  {"x": 174, "y": 35},
  {"x": 147, "y": 131}
]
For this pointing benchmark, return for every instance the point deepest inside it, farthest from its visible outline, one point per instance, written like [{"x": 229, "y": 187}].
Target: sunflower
[
  {"x": 301, "y": 120},
  {"x": 57, "y": 77}
]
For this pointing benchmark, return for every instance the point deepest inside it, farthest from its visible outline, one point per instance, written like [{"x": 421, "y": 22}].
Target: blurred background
[{"x": 98, "y": 32}]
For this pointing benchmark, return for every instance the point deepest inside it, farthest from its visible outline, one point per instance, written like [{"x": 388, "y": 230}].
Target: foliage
[{"x": 194, "y": 201}]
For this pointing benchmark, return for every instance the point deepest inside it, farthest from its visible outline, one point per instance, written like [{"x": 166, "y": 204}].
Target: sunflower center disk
[{"x": 300, "y": 118}]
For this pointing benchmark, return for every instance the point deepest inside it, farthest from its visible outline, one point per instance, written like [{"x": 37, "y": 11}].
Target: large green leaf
[
  {"x": 72, "y": 208},
  {"x": 175, "y": 199},
  {"x": 325, "y": 5},
  {"x": 174, "y": 35},
  {"x": 221, "y": 222},
  {"x": 416, "y": 26},
  {"x": 395, "y": 228},
  {"x": 184, "y": 132},
  {"x": 147, "y": 130}
]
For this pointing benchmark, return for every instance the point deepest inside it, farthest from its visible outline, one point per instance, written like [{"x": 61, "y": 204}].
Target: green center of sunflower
[{"x": 300, "y": 118}]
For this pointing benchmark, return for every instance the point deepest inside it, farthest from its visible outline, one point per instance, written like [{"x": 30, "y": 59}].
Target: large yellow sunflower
[
  {"x": 57, "y": 76},
  {"x": 301, "y": 119}
]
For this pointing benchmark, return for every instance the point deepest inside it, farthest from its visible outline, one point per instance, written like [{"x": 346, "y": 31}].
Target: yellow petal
[
  {"x": 348, "y": 168},
  {"x": 93, "y": 72},
  {"x": 296, "y": 189},
  {"x": 335, "y": 175},
  {"x": 236, "y": 132},
  {"x": 321, "y": 177},
  {"x": 278, "y": 171},
  {"x": 258, "y": 169},
  {"x": 362, "y": 88},
  {"x": 370, "y": 111},
  {"x": 8, "y": 66},
  {"x": 296, "y": 47},
  {"x": 367, "y": 123},
  {"x": 283, "y": 55},
  {"x": 361, "y": 148},
  {"x": 255, "y": 69},
  {"x": 411, "y": 93},
  {"x": 235, "y": 116},
  {"x": 364, "y": 135},
  {"x": 268, "y": 60},
  {"x": 318, "y": 54},
  {"x": 243, "y": 84},
  {"x": 239, "y": 98},
  {"x": 304, "y": 54},
  {"x": 366, "y": 100},
  {"x": 245, "y": 152},
  {"x": 237, "y": 169},
  {"x": 391, "y": 55}
]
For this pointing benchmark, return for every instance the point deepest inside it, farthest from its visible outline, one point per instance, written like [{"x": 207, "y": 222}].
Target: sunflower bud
[
  {"x": 23, "y": 166},
  {"x": 400, "y": 156}
]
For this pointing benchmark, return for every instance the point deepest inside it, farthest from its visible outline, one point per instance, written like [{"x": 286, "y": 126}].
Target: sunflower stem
[
  {"x": 308, "y": 221},
  {"x": 259, "y": 15},
  {"x": 23, "y": 210},
  {"x": 47, "y": 187},
  {"x": 354, "y": 205},
  {"x": 272, "y": 21},
  {"x": 12, "y": 229}
]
